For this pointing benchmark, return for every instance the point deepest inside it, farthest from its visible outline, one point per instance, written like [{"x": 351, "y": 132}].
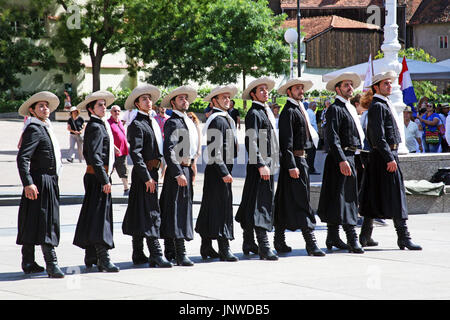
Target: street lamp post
[
  {"x": 291, "y": 36},
  {"x": 299, "y": 59}
]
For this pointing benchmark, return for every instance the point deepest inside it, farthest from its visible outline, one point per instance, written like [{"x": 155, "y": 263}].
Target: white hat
[
  {"x": 331, "y": 85},
  {"x": 264, "y": 80},
  {"x": 50, "y": 98},
  {"x": 383, "y": 76},
  {"x": 231, "y": 89},
  {"x": 73, "y": 108},
  {"x": 153, "y": 91},
  {"x": 307, "y": 84},
  {"x": 97, "y": 95},
  {"x": 188, "y": 90}
]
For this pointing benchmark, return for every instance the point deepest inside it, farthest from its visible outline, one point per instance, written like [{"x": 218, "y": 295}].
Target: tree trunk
[
  {"x": 96, "y": 60},
  {"x": 243, "y": 88}
]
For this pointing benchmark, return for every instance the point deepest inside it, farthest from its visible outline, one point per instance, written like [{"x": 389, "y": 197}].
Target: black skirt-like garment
[
  {"x": 95, "y": 223},
  {"x": 257, "y": 206},
  {"x": 38, "y": 221},
  {"x": 292, "y": 206},
  {"x": 176, "y": 208},
  {"x": 382, "y": 192},
  {"x": 142, "y": 218},
  {"x": 215, "y": 219},
  {"x": 338, "y": 202}
]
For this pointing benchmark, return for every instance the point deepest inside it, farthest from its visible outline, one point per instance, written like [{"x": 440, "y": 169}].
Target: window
[{"x": 443, "y": 42}]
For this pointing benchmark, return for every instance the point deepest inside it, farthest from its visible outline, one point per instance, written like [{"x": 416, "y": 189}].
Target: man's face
[
  {"x": 222, "y": 101},
  {"x": 261, "y": 94},
  {"x": 345, "y": 90},
  {"x": 99, "y": 108},
  {"x": 327, "y": 104},
  {"x": 407, "y": 115},
  {"x": 41, "y": 110},
  {"x": 145, "y": 103},
  {"x": 162, "y": 110},
  {"x": 115, "y": 113},
  {"x": 445, "y": 110},
  {"x": 384, "y": 87},
  {"x": 296, "y": 92},
  {"x": 181, "y": 103}
]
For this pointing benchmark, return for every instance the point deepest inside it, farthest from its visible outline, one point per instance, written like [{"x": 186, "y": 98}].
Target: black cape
[
  {"x": 175, "y": 201},
  {"x": 338, "y": 202},
  {"x": 382, "y": 192},
  {"x": 292, "y": 206},
  {"x": 257, "y": 205},
  {"x": 142, "y": 217},
  {"x": 215, "y": 219},
  {"x": 95, "y": 223},
  {"x": 38, "y": 221}
]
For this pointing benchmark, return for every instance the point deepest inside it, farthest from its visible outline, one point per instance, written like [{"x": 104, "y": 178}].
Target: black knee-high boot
[
  {"x": 249, "y": 244},
  {"x": 29, "y": 264},
  {"x": 311, "y": 244},
  {"x": 333, "y": 239},
  {"x": 156, "y": 257},
  {"x": 207, "y": 250},
  {"x": 169, "y": 249},
  {"x": 138, "y": 255},
  {"x": 279, "y": 241},
  {"x": 225, "y": 253},
  {"x": 182, "y": 259},
  {"x": 404, "y": 239},
  {"x": 90, "y": 256},
  {"x": 365, "y": 237},
  {"x": 51, "y": 262},
  {"x": 104, "y": 263},
  {"x": 352, "y": 239},
  {"x": 265, "y": 253}
]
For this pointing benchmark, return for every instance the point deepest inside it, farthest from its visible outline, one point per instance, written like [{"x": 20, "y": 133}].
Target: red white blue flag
[{"x": 405, "y": 82}]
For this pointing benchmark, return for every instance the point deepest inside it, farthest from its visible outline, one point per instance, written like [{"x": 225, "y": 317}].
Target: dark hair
[
  {"x": 355, "y": 99},
  {"x": 338, "y": 85},
  {"x": 234, "y": 102},
  {"x": 33, "y": 106},
  {"x": 253, "y": 91},
  {"x": 90, "y": 105}
]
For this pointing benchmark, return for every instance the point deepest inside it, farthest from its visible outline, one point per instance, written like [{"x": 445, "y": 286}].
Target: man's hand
[
  {"x": 182, "y": 181},
  {"x": 264, "y": 172},
  {"x": 345, "y": 168},
  {"x": 227, "y": 179},
  {"x": 107, "y": 188},
  {"x": 391, "y": 166},
  {"x": 150, "y": 185},
  {"x": 294, "y": 173},
  {"x": 31, "y": 192}
]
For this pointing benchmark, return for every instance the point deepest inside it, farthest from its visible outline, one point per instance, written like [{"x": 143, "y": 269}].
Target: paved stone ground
[{"x": 383, "y": 272}]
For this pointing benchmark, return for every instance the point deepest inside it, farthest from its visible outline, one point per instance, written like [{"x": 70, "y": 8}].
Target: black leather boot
[
  {"x": 311, "y": 244},
  {"x": 279, "y": 241},
  {"x": 90, "y": 256},
  {"x": 265, "y": 253},
  {"x": 404, "y": 239},
  {"x": 352, "y": 239},
  {"x": 104, "y": 264},
  {"x": 138, "y": 256},
  {"x": 249, "y": 244},
  {"x": 225, "y": 253},
  {"x": 207, "y": 250},
  {"x": 333, "y": 239},
  {"x": 182, "y": 259},
  {"x": 169, "y": 249},
  {"x": 365, "y": 237},
  {"x": 156, "y": 257},
  {"x": 29, "y": 264},
  {"x": 51, "y": 262}
]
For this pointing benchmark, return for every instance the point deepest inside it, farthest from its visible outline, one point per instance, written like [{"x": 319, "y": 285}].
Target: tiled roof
[
  {"x": 411, "y": 7},
  {"x": 304, "y": 4},
  {"x": 432, "y": 11},
  {"x": 316, "y": 25}
]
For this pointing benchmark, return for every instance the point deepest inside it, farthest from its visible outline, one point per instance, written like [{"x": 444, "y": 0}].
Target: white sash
[
  {"x": 352, "y": 110},
  {"x": 111, "y": 156},
  {"x": 48, "y": 126},
  {"x": 193, "y": 135},
  {"x": 312, "y": 132},
  {"x": 156, "y": 130}
]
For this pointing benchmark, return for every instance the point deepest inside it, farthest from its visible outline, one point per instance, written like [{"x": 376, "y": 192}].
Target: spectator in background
[
  {"x": 412, "y": 133},
  {"x": 208, "y": 110},
  {"x": 234, "y": 113},
  {"x": 67, "y": 101},
  {"x": 276, "y": 113},
  {"x": 323, "y": 123},
  {"x": 311, "y": 152},
  {"x": 75, "y": 125},
  {"x": 430, "y": 121},
  {"x": 447, "y": 130},
  {"x": 194, "y": 119},
  {"x": 161, "y": 119},
  {"x": 443, "y": 114}
]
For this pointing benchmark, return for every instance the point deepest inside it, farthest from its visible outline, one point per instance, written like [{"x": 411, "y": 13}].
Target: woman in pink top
[{"x": 161, "y": 118}]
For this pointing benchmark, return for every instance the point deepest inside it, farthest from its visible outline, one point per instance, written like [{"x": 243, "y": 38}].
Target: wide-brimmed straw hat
[
  {"x": 231, "y": 89},
  {"x": 97, "y": 95},
  {"x": 331, "y": 85},
  {"x": 153, "y": 91},
  {"x": 263, "y": 80},
  {"x": 50, "y": 98},
  {"x": 188, "y": 90},
  {"x": 383, "y": 76},
  {"x": 74, "y": 109},
  {"x": 307, "y": 84}
]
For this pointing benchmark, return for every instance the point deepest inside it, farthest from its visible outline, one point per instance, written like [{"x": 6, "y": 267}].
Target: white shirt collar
[
  {"x": 293, "y": 101},
  {"x": 260, "y": 103},
  {"x": 181, "y": 114},
  {"x": 145, "y": 114},
  {"x": 379, "y": 96},
  {"x": 341, "y": 98}
]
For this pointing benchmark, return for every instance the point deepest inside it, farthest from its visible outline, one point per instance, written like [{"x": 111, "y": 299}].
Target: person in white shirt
[{"x": 412, "y": 133}]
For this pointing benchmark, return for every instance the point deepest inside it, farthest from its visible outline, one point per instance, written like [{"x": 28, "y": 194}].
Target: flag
[
  {"x": 406, "y": 85},
  {"x": 369, "y": 75}
]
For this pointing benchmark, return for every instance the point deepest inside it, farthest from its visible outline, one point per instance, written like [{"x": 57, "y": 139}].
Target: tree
[
  {"x": 101, "y": 23},
  {"x": 20, "y": 29},
  {"x": 241, "y": 37}
]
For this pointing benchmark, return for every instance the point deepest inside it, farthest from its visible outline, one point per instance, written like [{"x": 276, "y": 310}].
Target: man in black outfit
[
  {"x": 383, "y": 192},
  {"x": 39, "y": 163},
  {"x": 256, "y": 208},
  {"x": 292, "y": 208},
  {"x": 234, "y": 113},
  {"x": 216, "y": 221},
  {"x": 338, "y": 202},
  {"x": 142, "y": 218}
]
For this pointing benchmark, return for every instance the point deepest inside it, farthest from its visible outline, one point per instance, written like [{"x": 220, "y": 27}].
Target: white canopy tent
[{"x": 419, "y": 70}]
